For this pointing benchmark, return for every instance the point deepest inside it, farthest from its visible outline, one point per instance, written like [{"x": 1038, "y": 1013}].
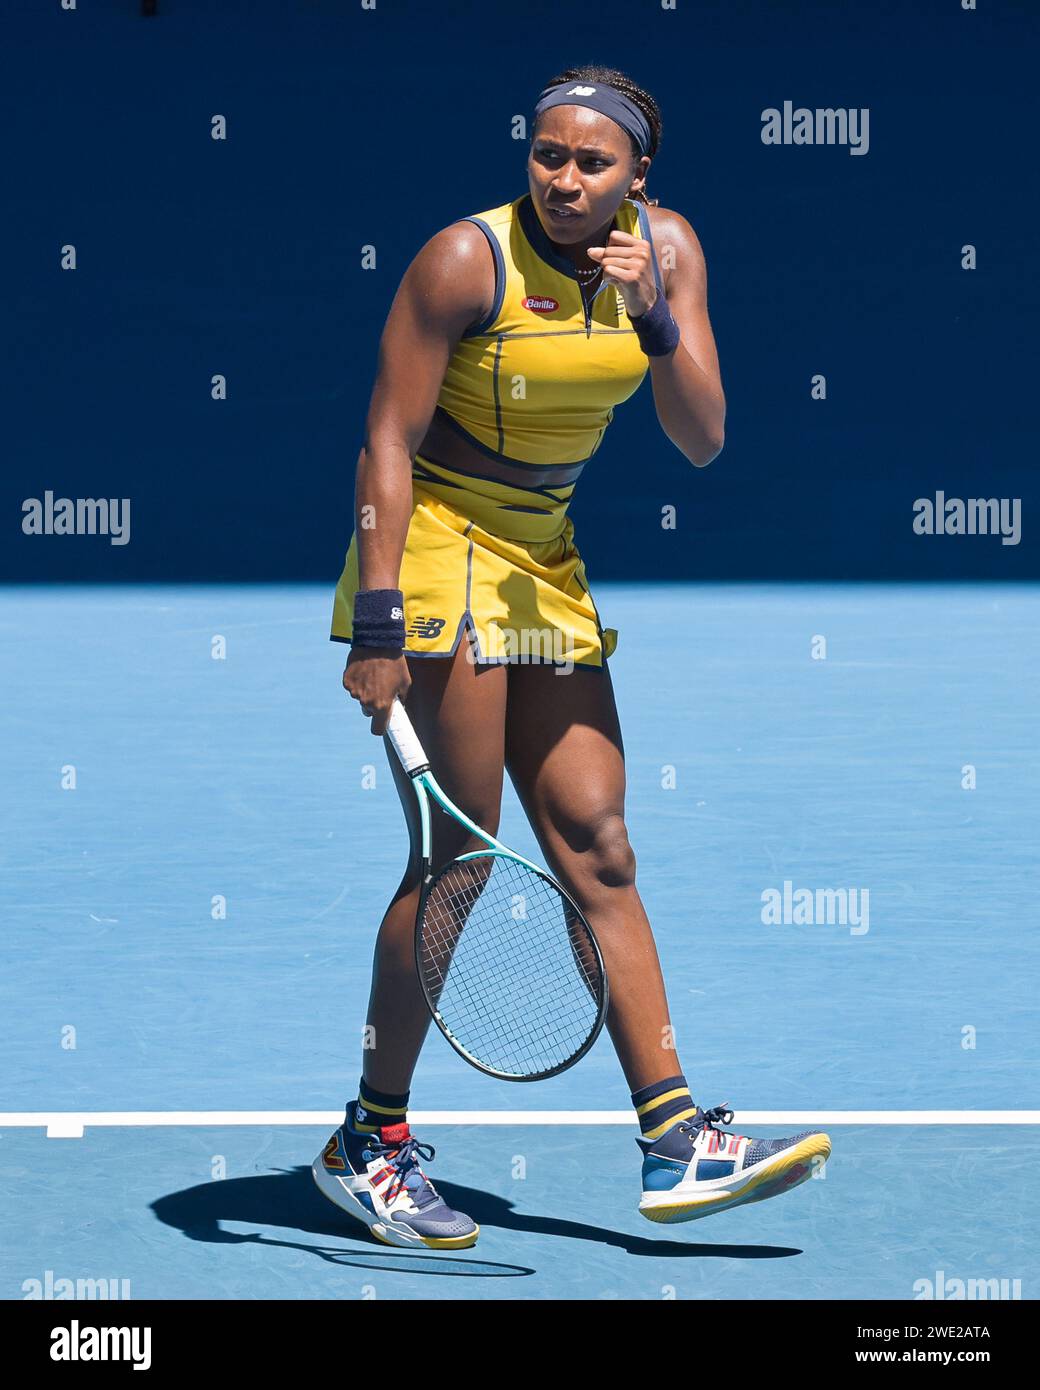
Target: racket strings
[{"x": 509, "y": 964}]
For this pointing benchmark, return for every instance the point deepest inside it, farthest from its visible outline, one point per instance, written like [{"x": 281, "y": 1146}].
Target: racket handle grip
[{"x": 405, "y": 741}]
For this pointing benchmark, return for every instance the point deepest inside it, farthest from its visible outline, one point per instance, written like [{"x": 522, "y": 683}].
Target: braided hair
[{"x": 621, "y": 82}]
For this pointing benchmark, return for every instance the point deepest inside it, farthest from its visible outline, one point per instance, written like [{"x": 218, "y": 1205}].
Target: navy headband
[{"x": 608, "y": 101}]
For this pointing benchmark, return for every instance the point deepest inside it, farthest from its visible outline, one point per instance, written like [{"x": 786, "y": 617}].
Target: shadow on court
[{"x": 288, "y": 1198}]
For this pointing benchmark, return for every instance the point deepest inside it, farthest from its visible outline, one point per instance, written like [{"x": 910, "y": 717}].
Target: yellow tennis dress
[{"x": 530, "y": 390}]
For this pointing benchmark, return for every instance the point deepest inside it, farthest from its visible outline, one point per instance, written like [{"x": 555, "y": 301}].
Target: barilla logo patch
[{"x": 540, "y": 303}]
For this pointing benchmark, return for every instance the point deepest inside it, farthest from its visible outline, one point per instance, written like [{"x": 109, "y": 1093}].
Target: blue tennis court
[{"x": 195, "y": 860}]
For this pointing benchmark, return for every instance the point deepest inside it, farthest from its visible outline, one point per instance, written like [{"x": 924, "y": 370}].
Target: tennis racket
[{"x": 509, "y": 968}]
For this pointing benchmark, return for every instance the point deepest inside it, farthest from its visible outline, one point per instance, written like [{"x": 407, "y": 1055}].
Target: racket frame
[{"x": 406, "y": 745}]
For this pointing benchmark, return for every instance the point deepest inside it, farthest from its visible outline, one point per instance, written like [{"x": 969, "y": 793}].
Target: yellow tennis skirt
[{"x": 521, "y": 601}]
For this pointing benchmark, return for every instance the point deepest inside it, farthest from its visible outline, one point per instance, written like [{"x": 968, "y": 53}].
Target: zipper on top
[{"x": 587, "y": 306}]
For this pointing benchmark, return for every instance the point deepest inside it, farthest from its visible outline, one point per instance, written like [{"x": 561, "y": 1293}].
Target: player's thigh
[
  {"x": 458, "y": 711},
  {"x": 565, "y": 757}
]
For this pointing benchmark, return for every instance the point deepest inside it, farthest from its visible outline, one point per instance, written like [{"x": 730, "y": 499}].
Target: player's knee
[
  {"x": 411, "y": 882},
  {"x": 484, "y": 813},
  {"x": 456, "y": 839},
  {"x": 612, "y": 858}
]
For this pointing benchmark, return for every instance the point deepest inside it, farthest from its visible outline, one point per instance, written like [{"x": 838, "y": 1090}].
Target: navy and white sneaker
[
  {"x": 695, "y": 1169},
  {"x": 376, "y": 1178}
]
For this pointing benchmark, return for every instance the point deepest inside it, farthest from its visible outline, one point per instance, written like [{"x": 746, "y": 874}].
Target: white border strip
[{"x": 71, "y": 1124}]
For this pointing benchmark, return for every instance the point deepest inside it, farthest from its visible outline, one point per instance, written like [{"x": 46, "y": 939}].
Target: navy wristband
[
  {"x": 379, "y": 618},
  {"x": 657, "y": 331}
]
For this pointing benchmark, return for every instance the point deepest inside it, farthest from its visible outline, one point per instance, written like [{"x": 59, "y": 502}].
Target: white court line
[{"x": 71, "y": 1124}]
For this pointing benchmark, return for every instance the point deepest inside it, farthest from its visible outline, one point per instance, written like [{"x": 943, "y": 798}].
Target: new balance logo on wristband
[
  {"x": 426, "y": 627},
  {"x": 397, "y": 613}
]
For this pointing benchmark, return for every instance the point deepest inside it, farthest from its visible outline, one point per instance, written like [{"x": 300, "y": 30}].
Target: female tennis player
[{"x": 511, "y": 339}]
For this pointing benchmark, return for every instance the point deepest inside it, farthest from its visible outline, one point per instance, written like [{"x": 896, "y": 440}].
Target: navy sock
[
  {"x": 379, "y": 1109},
  {"x": 661, "y": 1106}
]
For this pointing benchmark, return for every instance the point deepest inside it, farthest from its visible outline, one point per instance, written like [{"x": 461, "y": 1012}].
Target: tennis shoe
[
  {"x": 695, "y": 1168},
  {"x": 377, "y": 1179}
]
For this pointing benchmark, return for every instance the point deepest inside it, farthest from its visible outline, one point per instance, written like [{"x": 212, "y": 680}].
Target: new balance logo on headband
[{"x": 580, "y": 91}]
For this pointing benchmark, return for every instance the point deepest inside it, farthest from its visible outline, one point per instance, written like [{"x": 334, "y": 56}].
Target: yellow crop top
[{"x": 534, "y": 385}]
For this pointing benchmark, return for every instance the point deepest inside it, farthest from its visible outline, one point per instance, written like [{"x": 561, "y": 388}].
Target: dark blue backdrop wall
[{"x": 350, "y": 127}]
